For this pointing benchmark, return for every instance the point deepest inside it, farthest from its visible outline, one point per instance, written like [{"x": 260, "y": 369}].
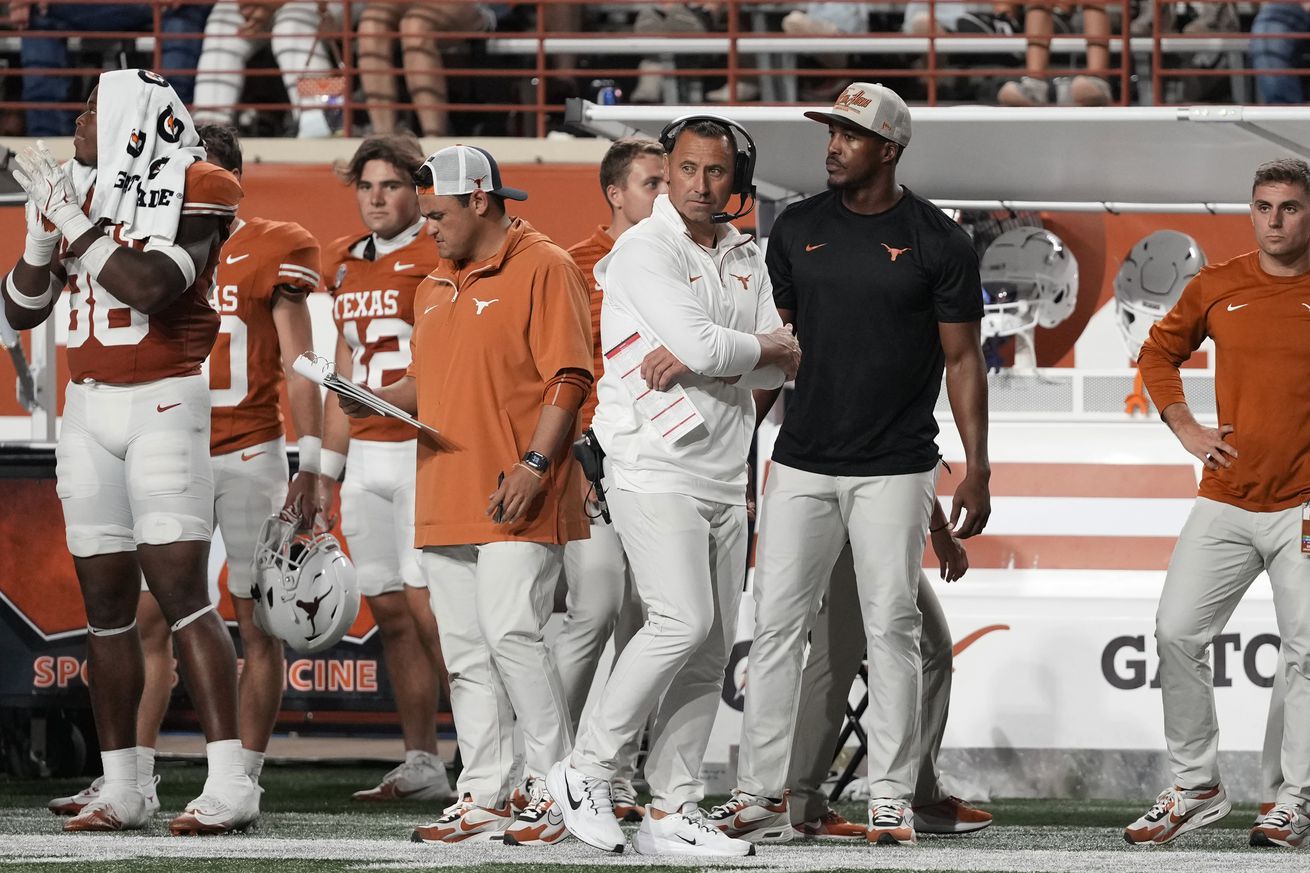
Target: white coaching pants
[
  {"x": 836, "y": 652},
  {"x": 806, "y": 520},
  {"x": 601, "y": 602},
  {"x": 688, "y": 560},
  {"x": 491, "y": 603},
  {"x": 1220, "y": 552}
]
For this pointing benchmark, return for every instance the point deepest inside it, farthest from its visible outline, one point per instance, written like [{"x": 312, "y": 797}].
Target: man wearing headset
[{"x": 688, "y": 328}]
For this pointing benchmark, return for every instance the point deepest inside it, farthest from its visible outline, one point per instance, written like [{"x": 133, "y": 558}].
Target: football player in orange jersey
[
  {"x": 268, "y": 268},
  {"x": 134, "y": 226},
  {"x": 372, "y": 279}
]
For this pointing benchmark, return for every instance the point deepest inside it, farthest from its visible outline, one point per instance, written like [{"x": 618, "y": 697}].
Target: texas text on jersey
[
  {"x": 110, "y": 342},
  {"x": 245, "y": 367},
  {"x": 373, "y": 307}
]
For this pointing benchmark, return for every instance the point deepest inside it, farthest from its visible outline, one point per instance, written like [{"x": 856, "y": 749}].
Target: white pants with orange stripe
[
  {"x": 836, "y": 652},
  {"x": 492, "y": 602},
  {"x": 1219, "y": 554},
  {"x": 688, "y": 560},
  {"x": 806, "y": 520},
  {"x": 601, "y": 602}
]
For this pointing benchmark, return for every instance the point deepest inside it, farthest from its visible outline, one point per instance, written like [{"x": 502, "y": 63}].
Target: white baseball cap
[
  {"x": 870, "y": 108},
  {"x": 461, "y": 169}
]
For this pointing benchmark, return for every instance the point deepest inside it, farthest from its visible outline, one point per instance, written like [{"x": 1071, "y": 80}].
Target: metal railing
[{"x": 518, "y": 76}]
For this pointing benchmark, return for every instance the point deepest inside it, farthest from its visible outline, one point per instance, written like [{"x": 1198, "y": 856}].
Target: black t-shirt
[{"x": 868, "y": 292}]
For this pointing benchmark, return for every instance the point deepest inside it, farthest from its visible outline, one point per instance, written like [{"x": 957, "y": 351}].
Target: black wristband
[
  {"x": 536, "y": 461},
  {"x": 933, "y": 530}
]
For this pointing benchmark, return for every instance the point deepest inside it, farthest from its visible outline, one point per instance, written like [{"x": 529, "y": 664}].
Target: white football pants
[
  {"x": 688, "y": 559},
  {"x": 806, "y": 520},
  {"x": 601, "y": 602},
  {"x": 1219, "y": 553}
]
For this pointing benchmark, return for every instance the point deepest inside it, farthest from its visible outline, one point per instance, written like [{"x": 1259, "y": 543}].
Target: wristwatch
[{"x": 536, "y": 461}]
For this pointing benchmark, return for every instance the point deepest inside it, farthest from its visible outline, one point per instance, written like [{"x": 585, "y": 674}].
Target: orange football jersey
[
  {"x": 373, "y": 307},
  {"x": 587, "y": 255},
  {"x": 245, "y": 367},
  {"x": 110, "y": 342}
]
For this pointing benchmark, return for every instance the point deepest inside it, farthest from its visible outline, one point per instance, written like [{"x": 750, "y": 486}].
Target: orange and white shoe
[
  {"x": 540, "y": 823},
  {"x": 74, "y": 803},
  {"x": 118, "y": 808},
  {"x": 1285, "y": 825},
  {"x": 1177, "y": 811},
  {"x": 520, "y": 797},
  {"x": 891, "y": 823},
  {"x": 831, "y": 826},
  {"x": 626, "y": 807},
  {"x": 752, "y": 818},
  {"x": 231, "y": 808},
  {"x": 950, "y": 816},
  {"x": 1264, "y": 810},
  {"x": 465, "y": 821}
]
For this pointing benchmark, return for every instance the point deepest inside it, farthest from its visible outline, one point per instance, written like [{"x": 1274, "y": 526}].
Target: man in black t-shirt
[{"x": 884, "y": 293}]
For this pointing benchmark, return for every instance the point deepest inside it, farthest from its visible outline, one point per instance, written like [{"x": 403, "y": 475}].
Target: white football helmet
[
  {"x": 1029, "y": 278},
  {"x": 305, "y": 590},
  {"x": 1150, "y": 281}
]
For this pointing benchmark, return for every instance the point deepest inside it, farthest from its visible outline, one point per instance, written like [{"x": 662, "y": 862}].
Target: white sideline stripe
[
  {"x": 1086, "y": 516},
  {"x": 960, "y": 853}
]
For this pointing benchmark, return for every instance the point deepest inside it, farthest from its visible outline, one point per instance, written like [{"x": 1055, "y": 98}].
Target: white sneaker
[
  {"x": 424, "y": 778},
  {"x": 118, "y": 808},
  {"x": 587, "y": 807},
  {"x": 219, "y": 810},
  {"x": 675, "y": 833},
  {"x": 1285, "y": 825},
  {"x": 891, "y": 822},
  {"x": 540, "y": 822},
  {"x": 465, "y": 821},
  {"x": 754, "y": 819},
  {"x": 1177, "y": 811},
  {"x": 74, "y": 803}
]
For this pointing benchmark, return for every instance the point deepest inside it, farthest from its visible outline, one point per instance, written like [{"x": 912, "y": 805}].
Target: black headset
[{"x": 743, "y": 168}]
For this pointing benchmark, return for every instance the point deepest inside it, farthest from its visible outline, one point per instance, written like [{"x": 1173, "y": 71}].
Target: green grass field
[{"x": 310, "y": 825}]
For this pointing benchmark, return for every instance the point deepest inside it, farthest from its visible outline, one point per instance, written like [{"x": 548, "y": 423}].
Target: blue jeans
[
  {"x": 52, "y": 52},
  {"x": 1276, "y": 54}
]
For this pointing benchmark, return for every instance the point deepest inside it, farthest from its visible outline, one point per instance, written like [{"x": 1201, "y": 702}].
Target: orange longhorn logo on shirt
[
  {"x": 744, "y": 280},
  {"x": 895, "y": 253}
]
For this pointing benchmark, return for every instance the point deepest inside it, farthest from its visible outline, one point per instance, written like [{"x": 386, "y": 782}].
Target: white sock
[
  {"x": 145, "y": 766},
  {"x": 253, "y": 762},
  {"x": 225, "y": 765},
  {"x": 120, "y": 766}
]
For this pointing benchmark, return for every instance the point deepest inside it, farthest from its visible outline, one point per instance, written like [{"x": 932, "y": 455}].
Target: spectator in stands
[
  {"x": 1038, "y": 88},
  {"x": 662, "y": 18},
  {"x": 236, "y": 31},
  {"x": 1279, "y": 54},
  {"x": 52, "y": 52},
  {"x": 418, "y": 26},
  {"x": 826, "y": 19}
]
